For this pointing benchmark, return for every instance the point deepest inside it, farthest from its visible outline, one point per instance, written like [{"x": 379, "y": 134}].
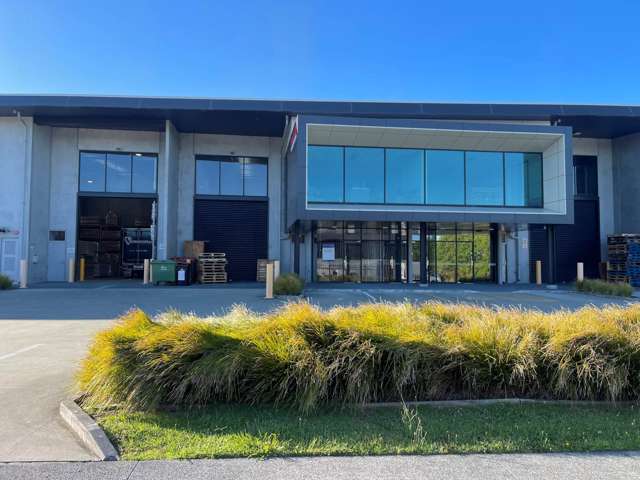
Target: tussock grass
[
  {"x": 304, "y": 357},
  {"x": 5, "y": 282},
  {"x": 604, "y": 288},
  {"x": 288, "y": 284}
]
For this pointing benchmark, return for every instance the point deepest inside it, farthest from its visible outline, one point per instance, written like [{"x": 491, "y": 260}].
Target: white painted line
[
  {"x": 371, "y": 297},
  {"x": 22, "y": 350}
]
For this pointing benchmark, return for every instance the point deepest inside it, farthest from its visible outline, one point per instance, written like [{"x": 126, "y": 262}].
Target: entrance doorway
[
  {"x": 404, "y": 252},
  {"x": 114, "y": 235}
]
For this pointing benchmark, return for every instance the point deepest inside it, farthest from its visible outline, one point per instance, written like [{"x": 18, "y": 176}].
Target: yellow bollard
[
  {"x": 82, "y": 269},
  {"x": 538, "y": 272}
]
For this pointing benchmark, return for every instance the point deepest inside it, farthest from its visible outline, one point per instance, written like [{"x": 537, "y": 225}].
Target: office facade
[{"x": 337, "y": 191}]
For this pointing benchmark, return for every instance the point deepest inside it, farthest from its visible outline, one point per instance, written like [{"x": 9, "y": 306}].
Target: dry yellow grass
[{"x": 302, "y": 356}]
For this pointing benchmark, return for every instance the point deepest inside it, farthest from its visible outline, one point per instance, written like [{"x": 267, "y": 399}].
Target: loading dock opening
[{"x": 114, "y": 235}]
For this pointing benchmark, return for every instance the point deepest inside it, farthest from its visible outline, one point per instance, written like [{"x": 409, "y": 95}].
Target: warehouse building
[{"x": 337, "y": 191}]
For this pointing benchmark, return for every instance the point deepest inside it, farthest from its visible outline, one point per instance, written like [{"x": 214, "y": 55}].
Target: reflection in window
[
  {"x": 523, "y": 179},
  {"x": 144, "y": 173},
  {"x": 220, "y": 175},
  {"x": 118, "y": 172},
  {"x": 364, "y": 175},
  {"x": 445, "y": 177},
  {"x": 404, "y": 172},
  {"x": 231, "y": 177},
  {"x": 484, "y": 178},
  {"x": 207, "y": 177},
  {"x": 92, "y": 172},
  {"x": 325, "y": 169},
  {"x": 432, "y": 177},
  {"x": 255, "y": 177}
]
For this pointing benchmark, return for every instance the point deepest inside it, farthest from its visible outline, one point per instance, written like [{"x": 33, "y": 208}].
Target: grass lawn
[{"x": 244, "y": 431}]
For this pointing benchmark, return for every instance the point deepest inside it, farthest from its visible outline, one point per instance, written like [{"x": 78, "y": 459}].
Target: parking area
[{"x": 45, "y": 330}]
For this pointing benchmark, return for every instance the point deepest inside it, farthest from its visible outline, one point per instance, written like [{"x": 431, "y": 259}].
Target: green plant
[
  {"x": 5, "y": 282},
  {"x": 302, "y": 356},
  {"x": 604, "y": 288},
  {"x": 288, "y": 284}
]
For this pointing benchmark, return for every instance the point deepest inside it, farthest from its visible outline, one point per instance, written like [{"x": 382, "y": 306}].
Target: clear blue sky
[{"x": 538, "y": 51}]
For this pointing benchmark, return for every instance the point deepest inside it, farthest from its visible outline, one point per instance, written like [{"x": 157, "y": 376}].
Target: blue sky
[{"x": 508, "y": 51}]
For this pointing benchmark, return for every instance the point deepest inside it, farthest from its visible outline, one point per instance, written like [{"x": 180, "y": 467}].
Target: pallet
[
  {"x": 220, "y": 278},
  {"x": 261, "y": 270},
  {"x": 211, "y": 255}
]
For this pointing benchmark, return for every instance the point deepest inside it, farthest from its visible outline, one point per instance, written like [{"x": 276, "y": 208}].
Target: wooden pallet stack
[
  {"x": 212, "y": 268},
  {"x": 623, "y": 253},
  {"x": 261, "y": 275}
]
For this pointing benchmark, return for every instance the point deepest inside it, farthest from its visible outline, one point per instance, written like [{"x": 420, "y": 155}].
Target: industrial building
[{"x": 337, "y": 191}]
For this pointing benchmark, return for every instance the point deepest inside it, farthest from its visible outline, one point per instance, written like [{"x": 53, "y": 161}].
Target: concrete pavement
[
  {"x": 569, "y": 466},
  {"x": 37, "y": 362}
]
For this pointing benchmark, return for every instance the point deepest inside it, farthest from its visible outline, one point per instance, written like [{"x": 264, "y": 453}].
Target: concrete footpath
[{"x": 610, "y": 466}]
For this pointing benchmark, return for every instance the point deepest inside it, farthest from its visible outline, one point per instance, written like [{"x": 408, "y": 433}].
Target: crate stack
[
  {"x": 99, "y": 244},
  {"x": 261, "y": 271},
  {"x": 212, "y": 268},
  {"x": 623, "y": 253}
]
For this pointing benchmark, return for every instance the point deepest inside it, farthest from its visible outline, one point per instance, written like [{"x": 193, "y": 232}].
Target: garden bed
[{"x": 305, "y": 358}]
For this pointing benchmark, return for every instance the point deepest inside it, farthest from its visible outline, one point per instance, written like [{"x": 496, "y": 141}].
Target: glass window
[
  {"x": 231, "y": 176},
  {"x": 445, "y": 177},
  {"x": 325, "y": 169},
  {"x": 484, "y": 178},
  {"x": 523, "y": 179},
  {"x": 586, "y": 176},
  {"x": 207, "y": 177},
  {"x": 515, "y": 179},
  {"x": 118, "y": 172},
  {"x": 144, "y": 173},
  {"x": 255, "y": 177},
  {"x": 405, "y": 176},
  {"x": 364, "y": 175},
  {"x": 92, "y": 172}
]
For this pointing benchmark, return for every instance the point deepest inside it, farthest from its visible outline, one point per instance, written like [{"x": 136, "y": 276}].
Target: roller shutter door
[{"x": 237, "y": 228}]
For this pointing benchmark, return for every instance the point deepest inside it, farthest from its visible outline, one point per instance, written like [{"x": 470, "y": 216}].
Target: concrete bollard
[
  {"x": 82, "y": 262},
  {"x": 276, "y": 269},
  {"x": 146, "y": 275},
  {"x": 580, "y": 272},
  {"x": 24, "y": 270},
  {"x": 71, "y": 270},
  {"x": 538, "y": 272},
  {"x": 269, "y": 282}
]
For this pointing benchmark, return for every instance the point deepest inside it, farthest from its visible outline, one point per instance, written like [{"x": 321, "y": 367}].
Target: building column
[{"x": 168, "y": 193}]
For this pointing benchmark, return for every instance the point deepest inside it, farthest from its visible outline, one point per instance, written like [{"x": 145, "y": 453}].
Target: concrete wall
[
  {"x": 626, "y": 183},
  {"x": 15, "y": 158},
  {"x": 603, "y": 149},
  {"x": 66, "y": 144},
  {"x": 204, "y": 144}
]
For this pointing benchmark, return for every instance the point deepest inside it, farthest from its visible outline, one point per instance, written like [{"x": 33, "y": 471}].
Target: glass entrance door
[{"x": 353, "y": 261}]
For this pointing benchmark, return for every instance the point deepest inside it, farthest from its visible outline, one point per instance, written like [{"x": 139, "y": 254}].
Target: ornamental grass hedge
[{"x": 305, "y": 357}]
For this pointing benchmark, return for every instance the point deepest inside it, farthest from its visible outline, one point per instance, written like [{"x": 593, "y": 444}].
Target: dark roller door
[
  {"x": 539, "y": 250},
  {"x": 579, "y": 242},
  {"x": 237, "y": 228}
]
